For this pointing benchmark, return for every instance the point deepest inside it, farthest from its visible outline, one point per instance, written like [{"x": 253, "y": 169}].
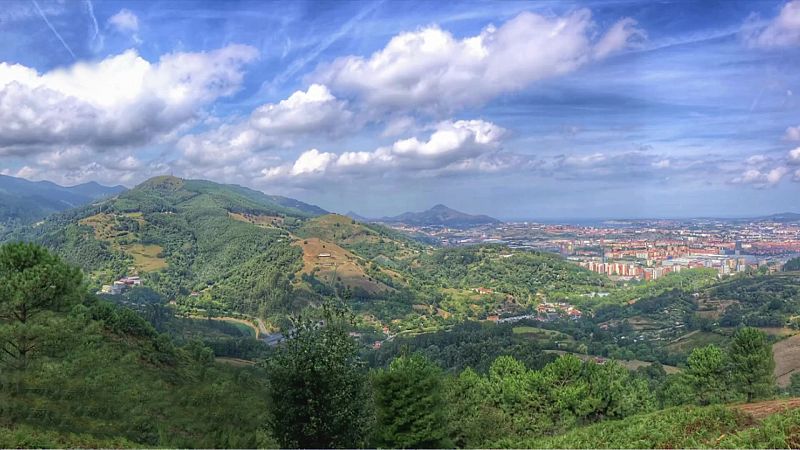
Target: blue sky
[{"x": 517, "y": 109}]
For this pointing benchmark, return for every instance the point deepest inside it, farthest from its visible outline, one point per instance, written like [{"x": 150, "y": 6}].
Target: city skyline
[{"x": 537, "y": 110}]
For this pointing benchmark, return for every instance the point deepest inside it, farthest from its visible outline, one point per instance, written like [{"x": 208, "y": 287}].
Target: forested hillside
[
  {"x": 249, "y": 260},
  {"x": 221, "y": 250},
  {"x": 78, "y": 371}
]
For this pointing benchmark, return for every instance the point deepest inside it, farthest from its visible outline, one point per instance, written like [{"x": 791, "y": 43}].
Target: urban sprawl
[{"x": 642, "y": 249}]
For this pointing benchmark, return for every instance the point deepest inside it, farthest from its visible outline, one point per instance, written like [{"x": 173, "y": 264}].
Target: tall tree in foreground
[
  {"x": 752, "y": 364},
  {"x": 708, "y": 376},
  {"x": 318, "y": 385},
  {"x": 33, "y": 284},
  {"x": 409, "y": 405}
]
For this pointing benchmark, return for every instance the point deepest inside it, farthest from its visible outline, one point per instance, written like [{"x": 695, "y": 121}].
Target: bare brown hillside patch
[
  {"x": 787, "y": 359},
  {"x": 330, "y": 263},
  {"x": 761, "y": 410}
]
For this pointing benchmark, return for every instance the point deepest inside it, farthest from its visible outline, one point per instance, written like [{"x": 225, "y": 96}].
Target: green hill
[
  {"x": 183, "y": 236},
  {"x": 771, "y": 424},
  {"x": 118, "y": 383},
  {"x": 77, "y": 371},
  {"x": 219, "y": 249}
]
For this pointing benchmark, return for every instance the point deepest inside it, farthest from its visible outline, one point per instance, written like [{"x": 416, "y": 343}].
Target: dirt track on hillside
[{"x": 761, "y": 410}]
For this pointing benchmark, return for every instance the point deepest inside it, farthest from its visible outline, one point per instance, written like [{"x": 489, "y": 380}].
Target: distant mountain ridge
[
  {"x": 356, "y": 216},
  {"x": 440, "y": 215},
  {"x": 24, "y": 201},
  {"x": 782, "y": 217}
]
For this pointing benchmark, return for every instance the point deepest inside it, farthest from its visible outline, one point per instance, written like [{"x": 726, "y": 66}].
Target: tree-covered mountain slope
[
  {"x": 78, "y": 371},
  {"x": 184, "y": 236},
  {"x": 216, "y": 249}
]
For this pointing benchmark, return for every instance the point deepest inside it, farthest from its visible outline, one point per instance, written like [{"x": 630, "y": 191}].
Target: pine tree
[
  {"x": 409, "y": 404},
  {"x": 752, "y": 364},
  {"x": 33, "y": 284},
  {"x": 707, "y": 375}
]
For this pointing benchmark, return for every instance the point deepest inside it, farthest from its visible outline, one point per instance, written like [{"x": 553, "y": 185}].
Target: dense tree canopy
[
  {"x": 318, "y": 385},
  {"x": 409, "y": 405}
]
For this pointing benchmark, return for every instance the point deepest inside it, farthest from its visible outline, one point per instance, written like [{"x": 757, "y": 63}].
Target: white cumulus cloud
[
  {"x": 430, "y": 69},
  {"x": 120, "y": 101},
  {"x": 464, "y": 144},
  {"x": 761, "y": 178},
  {"x": 794, "y": 156},
  {"x": 782, "y": 31},
  {"x": 314, "y": 111}
]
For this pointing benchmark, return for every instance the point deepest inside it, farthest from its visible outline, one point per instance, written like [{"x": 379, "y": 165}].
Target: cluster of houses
[
  {"x": 554, "y": 310},
  {"x": 119, "y": 286}
]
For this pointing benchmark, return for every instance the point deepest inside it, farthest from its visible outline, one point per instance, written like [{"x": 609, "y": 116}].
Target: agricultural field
[{"x": 121, "y": 232}]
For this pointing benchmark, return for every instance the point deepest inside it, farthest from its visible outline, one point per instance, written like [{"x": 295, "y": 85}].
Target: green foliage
[
  {"x": 318, "y": 385},
  {"x": 794, "y": 385},
  {"x": 105, "y": 373},
  {"x": 512, "y": 400},
  {"x": 24, "y": 436},
  {"x": 33, "y": 285},
  {"x": 680, "y": 427},
  {"x": 690, "y": 281},
  {"x": 469, "y": 344},
  {"x": 409, "y": 405},
  {"x": 762, "y": 300},
  {"x": 113, "y": 377},
  {"x": 743, "y": 371},
  {"x": 752, "y": 364},
  {"x": 776, "y": 431},
  {"x": 707, "y": 375},
  {"x": 524, "y": 274}
]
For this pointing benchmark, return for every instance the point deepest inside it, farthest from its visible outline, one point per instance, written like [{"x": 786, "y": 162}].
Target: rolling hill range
[
  {"x": 440, "y": 215},
  {"x": 223, "y": 250},
  {"x": 214, "y": 248},
  {"x": 23, "y": 201}
]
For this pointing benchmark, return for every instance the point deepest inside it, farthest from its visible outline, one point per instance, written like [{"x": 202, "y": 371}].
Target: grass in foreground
[{"x": 682, "y": 427}]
